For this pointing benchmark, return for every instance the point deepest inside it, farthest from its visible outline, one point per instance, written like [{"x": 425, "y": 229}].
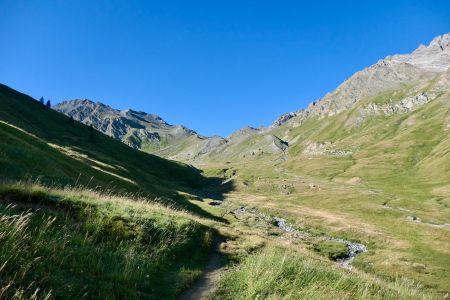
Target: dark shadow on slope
[{"x": 217, "y": 188}]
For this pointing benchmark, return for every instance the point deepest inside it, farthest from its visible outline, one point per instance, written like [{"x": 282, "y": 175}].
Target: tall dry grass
[{"x": 76, "y": 243}]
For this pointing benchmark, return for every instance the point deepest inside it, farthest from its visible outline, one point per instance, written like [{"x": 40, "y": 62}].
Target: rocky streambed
[{"x": 353, "y": 249}]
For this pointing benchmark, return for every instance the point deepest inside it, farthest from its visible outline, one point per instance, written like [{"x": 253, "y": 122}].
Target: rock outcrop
[
  {"x": 136, "y": 129},
  {"x": 395, "y": 107},
  {"x": 389, "y": 73},
  {"x": 324, "y": 148}
]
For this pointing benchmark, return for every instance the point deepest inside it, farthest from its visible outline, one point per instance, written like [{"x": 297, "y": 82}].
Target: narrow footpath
[{"x": 211, "y": 273}]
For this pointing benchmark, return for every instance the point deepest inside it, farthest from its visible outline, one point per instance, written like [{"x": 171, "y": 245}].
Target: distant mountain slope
[
  {"x": 391, "y": 73},
  {"x": 395, "y": 85},
  {"x": 394, "y": 88},
  {"x": 386, "y": 127},
  {"x": 136, "y": 129},
  {"x": 152, "y": 134},
  {"x": 41, "y": 144}
]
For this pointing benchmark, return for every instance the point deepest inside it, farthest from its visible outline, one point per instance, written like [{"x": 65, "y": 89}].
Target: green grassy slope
[
  {"x": 276, "y": 273},
  {"x": 39, "y": 143},
  {"x": 78, "y": 244},
  {"x": 390, "y": 192},
  {"x": 387, "y": 150},
  {"x": 61, "y": 240}
]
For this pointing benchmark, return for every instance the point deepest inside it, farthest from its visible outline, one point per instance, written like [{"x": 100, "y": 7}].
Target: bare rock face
[
  {"x": 278, "y": 145},
  {"x": 392, "y": 72},
  {"x": 267, "y": 145},
  {"x": 211, "y": 144},
  {"x": 283, "y": 119},
  {"x": 395, "y": 107},
  {"x": 325, "y": 148},
  {"x": 134, "y": 128},
  {"x": 434, "y": 57}
]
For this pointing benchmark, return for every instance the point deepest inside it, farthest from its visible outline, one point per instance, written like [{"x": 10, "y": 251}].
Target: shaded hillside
[
  {"x": 40, "y": 143},
  {"x": 139, "y": 130}
]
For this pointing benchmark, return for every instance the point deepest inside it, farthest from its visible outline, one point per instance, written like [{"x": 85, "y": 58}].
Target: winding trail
[
  {"x": 211, "y": 273},
  {"x": 205, "y": 285}
]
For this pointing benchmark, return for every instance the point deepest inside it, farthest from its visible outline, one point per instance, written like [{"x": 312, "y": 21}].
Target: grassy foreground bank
[
  {"x": 280, "y": 273},
  {"x": 72, "y": 244}
]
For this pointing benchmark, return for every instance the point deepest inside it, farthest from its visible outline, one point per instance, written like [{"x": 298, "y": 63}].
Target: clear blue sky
[{"x": 214, "y": 66}]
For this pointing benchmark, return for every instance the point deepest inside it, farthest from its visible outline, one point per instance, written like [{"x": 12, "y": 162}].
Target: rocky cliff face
[
  {"x": 402, "y": 106},
  {"x": 390, "y": 73},
  {"x": 137, "y": 129}
]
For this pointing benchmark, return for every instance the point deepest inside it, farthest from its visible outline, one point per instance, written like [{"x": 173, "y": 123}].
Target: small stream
[{"x": 353, "y": 249}]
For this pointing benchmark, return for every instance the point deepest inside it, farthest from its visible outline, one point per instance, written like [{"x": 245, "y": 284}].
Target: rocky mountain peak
[
  {"x": 283, "y": 119},
  {"x": 84, "y": 105},
  {"x": 243, "y": 132},
  {"x": 135, "y": 128},
  {"x": 143, "y": 116},
  {"x": 441, "y": 42},
  {"x": 434, "y": 57},
  {"x": 389, "y": 73}
]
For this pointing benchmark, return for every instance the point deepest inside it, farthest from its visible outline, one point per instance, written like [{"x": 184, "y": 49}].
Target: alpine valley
[{"x": 348, "y": 198}]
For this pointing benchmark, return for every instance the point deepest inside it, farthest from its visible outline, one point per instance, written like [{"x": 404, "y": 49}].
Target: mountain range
[
  {"x": 348, "y": 198},
  {"x": 395, "y": 85}
]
